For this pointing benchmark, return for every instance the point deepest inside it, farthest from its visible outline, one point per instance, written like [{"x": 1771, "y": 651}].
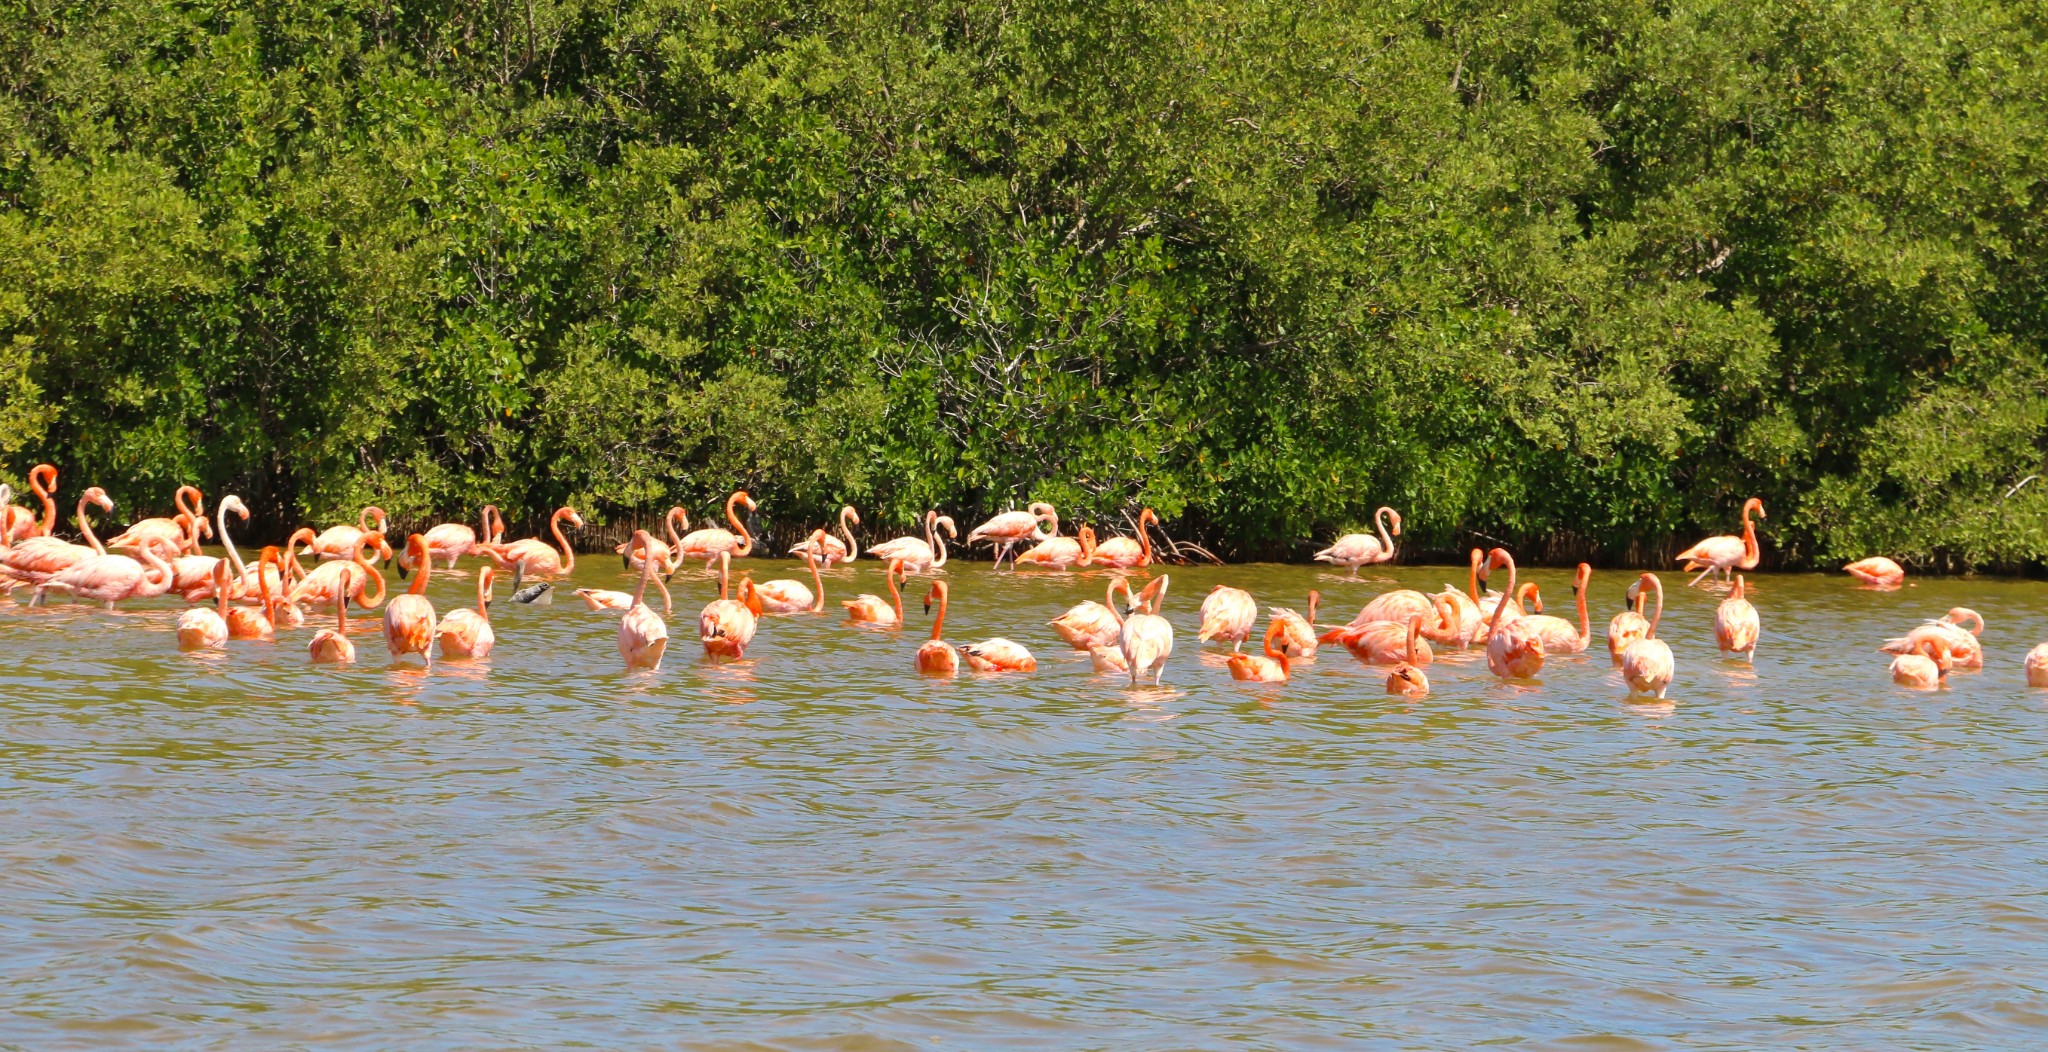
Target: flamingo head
[
  {"x": 234, "y": 504},
  {"x": 850, "y": 515},
  {"x": 1395, "y": 518},
  {"x": 1754, "y": 504},
  {"x": 42, "y": 480},
  {"x": 570, "y": 516},
  {"x": 742, "y": 498},
  {"x": 98, "y": 496},
  {"x": 946, "y": 521}
]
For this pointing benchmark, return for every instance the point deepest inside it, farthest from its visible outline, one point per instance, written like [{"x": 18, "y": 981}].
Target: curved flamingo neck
[
  {"x": 1659, "y": 616},
  {"x": 417, "y": 548},
  {"x": 895, "y": 597},
  {"x": 1109, "y": 599},
  {"x": 341, "y": 613},
  {"x": 939, "y": 623},
  {"x": 1472, "y": 581},
  {"x": 846, "y": 532},
  {"x": 220, "y": 513},
  {"x": 1145, "y": 537},
  {"x": 42, "y": 480},
  {"x": 641, "y": 538},
  {"x": 1414, "y": 638},
  {"x": 269, "y": 559},
  {"x": 156, "y": 573},
  {"x": 675, "y": 537},
  {"x": 189, "y": 500},
  {"x": 1379, "y": 519},
  {"x": 220, "y": 589},
  {"x": 369, "y": 574},
  {"x": 1314, "y": 597},
  {"x": 817, "y": 582},
  {"x": 568, "y": 553},
  {"x": 85, "y": 526},
  {"x": 1502, "y": 558},
  {"x": 732, "y": 516},
  {"x": 938, "y": 538}
]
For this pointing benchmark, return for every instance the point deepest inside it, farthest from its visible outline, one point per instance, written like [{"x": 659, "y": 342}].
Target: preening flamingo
[
  {"x": 1646, "y": 664},
  {"x": 1007, "y": 530},
  {"x": 710, "y": 543},
  {"x": 1736, "y": 626},
  {"x": 2037, "y": 666},
  {"x": 937, "y": 657},
  {"x": 409, "y": 616},
  {"x": 666, "y": 557},
  {"x": 1629, "y": 625},
  {"x": 1925, "y": 667},
  {"x": 1298, "y": 633},
  {"x": 450, "y": 541},
  {"x": 110, "y": 579},
  {"x": 1963, "y": 648},
  {"x": 1361, "y": 549},
  {"x": 351, "y": 579},
  {"x": 1058, "y": 553},
  {"x": 1513, "y": 649},
  {"x": 605, "y": 598},
  {"x": 331, "y": 646},
  {"x": 168, "y": 534},
  {"x": 1725, "y": 553},
  {"x": 1407, "y": 678},
  {"x": 344, "y": 542},
  {"x": 873, "y": 609},
  {"x": 1089, "y": 624},
  {"x": 832, "y": 550},
  {"x": 1273, "y": 668},
  {"x": 1124, "y": 553},
  {"x": 920, "y": 556},
  {"x": 727, "y": 625},
  {"x": 786, "y": 596},
  {"x": 18, "y": 524},
  {"x": 1558, "y": 635},
  {"x": 1147, "y": 638},
  {"x": 1386, "y": 642},
  {"x": 1439, "y": 617},
  {"x": 256, "y": 622},
  {"x": 192, "y": 575},
  {"x": 643, "y": 635},
  {"x": 990, "y": 655},
  {"x": 205, "y": 627},
  {"x": 1228, "y": 615},
  {"x": 531, "y": 556},
  {"x": 1877, "y": 572},
  {"x": 36, "y": 559}
]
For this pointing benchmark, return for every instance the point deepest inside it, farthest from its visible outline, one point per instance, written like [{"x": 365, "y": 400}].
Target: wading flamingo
[
  {"x": 1439, "y": 618},
  {"x": 37, "y": 559},
  {"x": 110, "y": 579},
  {"x": 1273, "y": 668},
  {"x": 1646, "y": 664},
  {"x": 1088, "y": 624},
  {"x": 349, "y": 580},
  {"x": 248, "y": 580},
  {"x": 256, "y": 622},
  {"x": 1124, "y": 553},
  {"x": 832, "y": 550},
  {"x": 344, "y": 543},
  {"x": 1360, "y": 549},
  {"x": 1925, "y": 667},
  {"x": 192, "y": 575},
  {"x": 1298, "y": 633},
  {"x": 712, "y": 542},
  {"x": 1407, "y": 678},
  {"x": 331, "y": 646},
  {"x": 450, "y": 541},
  {"x": 786, "y": 596},
  {"x": 1228, "y": 615},
  {"x": 2037, "y": 666},
  {"x": 531, "y": 556},
  {"x": 19, "y": 524},
  {"x": 206, "y": 627},
  {"x": 1057, "y": 552},
  {"x": 1011, "y": 528},
  {"x": 1629, "y": 625},
  {"x": 1386, "y": 642},
  {"x": 168, "y": 534},
  {"x": 1736, "y": 626},
  {"x": 666, "y": 559},
  {"x": 917, "y": 556},
  {"x": 643, "y": 635},
  {"x": 1558, "y": 635},
  {"x": 1513, "y": 649},
  {"x": 873, "y": 609},
  {"x": 1726, "y": 554},
  {"x": 937, "y": 657},
  {"x": 409, "y": 616},
  {"x": 1877, "y": 572},
  {"x": 1963, "y": 648},
  {"x": 1147, "y": 638},
  {"x": 727, "y": 625}
]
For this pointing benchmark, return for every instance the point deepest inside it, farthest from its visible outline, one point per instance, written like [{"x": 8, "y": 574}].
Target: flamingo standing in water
[
  {"x": 450, "y": 541},
  {"x": 1272, "y": 668},
  {"x": 1228, "y": 614},
  {"x": 192, "y": 575},
  {"x": 663, "y": 552},
  {"x": 1407, "y": 678},
  {"x": 409, "y": 617},
  {"x": 1513, "y": 649},
  {"x": 1726, "y": 554},
  {"x": 643, "y": 635},
  {"x": 110, "y": 579},
  {"x": 1736, "y": 626},
  {"x": 1147, "y": 638},
  {"x": 1558, "y": 634},
  {"x": 1385, "y": 642},
  {"x": 1877, "y": 572},
  {"x": 1089, "y": 624},
  {"x": 37, "y": 559},
  {"x": 727, "y": 625},
  {"x": 1963, "y": 648},
  {"x": 1646, "y": 664},
  {"x": 244, "y": 579},
  {"x": 1925, "y": 667},
  {"x": 1298, "y": 633},
  {"x": 531, "y": 556},
  {"x": 873, "y": 609},
  {"x": 257, "y": 622},
  {"x": 1124, "y": 553},
  {"x": 331, "y": 646},
  {"x": 1361, "y": 549},
  {"x": 344, "y": 542},
  {"x": 205, "y": 627},
  {"x": 832, "y": 550},
  {"x": 785, "y": 596},
  {"x": 937, "y": 657},
  {"x": 351, "y": 579},
  {"x": 918, "y": 556},
  {"x": 168, "y": 534},
  {"x": 1439, "y": 617},
  {"x": 1057, "y": 552},
  {"x": 710, "y": 543},
  {"x": 1629, "y": 625},
  {"x": 1011, "y": 528}
]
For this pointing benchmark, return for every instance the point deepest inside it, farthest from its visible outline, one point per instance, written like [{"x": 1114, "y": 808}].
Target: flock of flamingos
[{"x": 233, "y": 599}]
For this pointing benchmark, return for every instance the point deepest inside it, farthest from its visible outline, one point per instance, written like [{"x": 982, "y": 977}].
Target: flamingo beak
[{"x": 927, "y": 606}]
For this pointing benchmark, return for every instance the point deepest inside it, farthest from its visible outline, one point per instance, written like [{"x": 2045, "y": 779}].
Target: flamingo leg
[{"x": 1702, "y": 573}]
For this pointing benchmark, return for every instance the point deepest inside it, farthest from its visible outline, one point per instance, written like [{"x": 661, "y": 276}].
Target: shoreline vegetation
[{"x": 1582, "y": 277}]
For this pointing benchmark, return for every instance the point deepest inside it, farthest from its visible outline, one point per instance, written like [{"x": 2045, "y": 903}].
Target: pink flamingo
[
  {"x": 1228, "y": 614},
  {"x": 1124, "y": 553},
  {"x": 1407, "y": 678},
  {"x": 111, "y": 578},
  {"x": 204, "y": 627},
  {"x": 937, "y": 657},
  {"x": 247, "y": 580},
  {"x": 167, "y": 534},
  {"x": 1007, "y": 530},
  {"x": 1360, "y": 549},
  {"x": 351, "y": 579},
  {"x": 531, "y": 556},
  {"x": 709, "y": 544},
  {"x": 1385, "y": 642},
  {"x": 1558, "y": 635},
  {"x": 1298, "y": 633},
  {"x": 1646, "y": 664},
  {"x": 1877, "y": 572},
  {"x": 245, "y": 622},
  {"x": 833, "y": 550},
  {"x": 1089, "y": 624},
  {"x": 1057, "y": 552},
  {"x": 409, "y": 616},
  {"x": 643, "y": 635},
  {"x": 872, "y": 609},
  {"x": 1736, "y": 625},
  {"x": 785, "y": 596},
  {"x": 2037, "y": 666},
  {"x": 1629, "y": 625},
  {"x": 1513, "y": 649},
  {"x": 665, "y": 553},
  {"x": 1272, "y": 668},
  {"x": 1147, "y": 638},
  {"x": 450, "y": 541},
  {"x": 726, "y": 626},
  {"x": 917, "y": 556},
  {"x": 331, "y": 646},
  {"x": 192, "y": 575},
  {"x": 1963, "y": 647},
  {"x": 344, "y": 543},
  {"x": 1440, "y": 621},
  {"x": 37, "y": 559},
  {"x": 1925, "y": 667},
  {"x": 1726, "y": 554},
  {"x": 18, "y": 524}
]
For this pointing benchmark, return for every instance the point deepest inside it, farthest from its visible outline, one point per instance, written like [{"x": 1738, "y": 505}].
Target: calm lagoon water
[{"x": 816, "y": 849}]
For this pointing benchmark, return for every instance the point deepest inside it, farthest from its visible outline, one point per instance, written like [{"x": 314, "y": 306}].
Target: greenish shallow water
[{"x": 815, "y": 848}]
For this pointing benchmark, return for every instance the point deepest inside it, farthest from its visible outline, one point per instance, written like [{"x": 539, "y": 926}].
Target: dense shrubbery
[{"x": 1580, "y": 270}]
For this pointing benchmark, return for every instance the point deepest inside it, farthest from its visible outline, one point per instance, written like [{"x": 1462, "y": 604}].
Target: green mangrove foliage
[{"x": 1581, "y": 269}]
